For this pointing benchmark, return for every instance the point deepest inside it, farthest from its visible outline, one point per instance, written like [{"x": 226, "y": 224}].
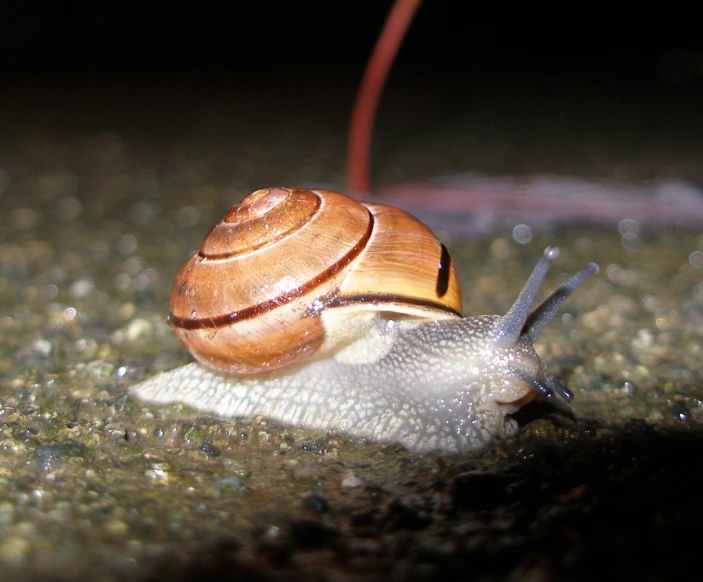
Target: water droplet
[{"x": 522, "y": 234}]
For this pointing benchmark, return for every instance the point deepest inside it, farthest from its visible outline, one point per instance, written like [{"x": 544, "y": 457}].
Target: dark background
[
  {"x": 579, "y": 90},
  {"x": 576, "y": 41}
]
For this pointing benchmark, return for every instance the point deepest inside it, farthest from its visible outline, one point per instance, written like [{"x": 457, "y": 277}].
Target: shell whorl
[{"x": 250, "y": 300}]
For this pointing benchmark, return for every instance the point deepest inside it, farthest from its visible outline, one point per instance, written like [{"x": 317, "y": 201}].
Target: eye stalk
[
  {"x": 519, "y": 323},
  {"x": 548, "y": 308}
]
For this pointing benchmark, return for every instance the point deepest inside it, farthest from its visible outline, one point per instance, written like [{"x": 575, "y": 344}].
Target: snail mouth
[{"x": 512, "y": 406}]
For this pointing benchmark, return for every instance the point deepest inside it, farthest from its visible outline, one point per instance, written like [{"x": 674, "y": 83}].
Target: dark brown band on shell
[
  {"x": 370, "y": 299},
  {"x": 255, "y": 310},
  {"x": 443, "y": 273}
]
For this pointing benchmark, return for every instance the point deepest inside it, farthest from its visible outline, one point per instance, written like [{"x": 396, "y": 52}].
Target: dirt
[{"x": 106, "y": 189}]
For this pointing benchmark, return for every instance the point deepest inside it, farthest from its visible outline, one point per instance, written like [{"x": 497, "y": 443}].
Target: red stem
[{"x": 375, "y": 75}]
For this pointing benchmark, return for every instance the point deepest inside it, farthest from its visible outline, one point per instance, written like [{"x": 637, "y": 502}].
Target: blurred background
[
  {"x": 107, "y": 40},
  {"x": 471, "y": 79}
]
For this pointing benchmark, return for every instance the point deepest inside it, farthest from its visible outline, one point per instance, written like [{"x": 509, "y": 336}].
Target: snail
[{"x": 310, "y": 308}]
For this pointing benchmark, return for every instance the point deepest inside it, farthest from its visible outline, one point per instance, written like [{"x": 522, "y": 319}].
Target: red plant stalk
[{"x": 375, "y": 75}]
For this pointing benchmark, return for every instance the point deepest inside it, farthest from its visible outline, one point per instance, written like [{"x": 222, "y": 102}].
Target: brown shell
[{"x": 250, "y": 300}]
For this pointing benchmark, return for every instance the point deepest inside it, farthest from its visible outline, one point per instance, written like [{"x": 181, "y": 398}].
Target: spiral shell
[{"x": 252, "y": 299}]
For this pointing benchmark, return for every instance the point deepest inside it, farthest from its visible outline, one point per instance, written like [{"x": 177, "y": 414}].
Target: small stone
[
  {"x": 138, "y": 328},
  {"x": 157, "y": 475},
  {"x": 14, "y": 550},
  {"x": 42, "y": 348},
  {"x": 350, "y": 480},
  {"x": 117, "y": 527},
  {"x": 7, "y": 513},
  {"x": 315, "y": 503},
  {"x": 210, "y": 450},
  {"x": 48, "y": 458},
  {"x": 229, "y": 486},
  {"x": 82, "y": 288},
  {"x": 100, "y": 370}
]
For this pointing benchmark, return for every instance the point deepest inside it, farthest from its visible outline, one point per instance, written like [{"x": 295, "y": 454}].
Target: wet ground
[{"x": 105, "y": 190}]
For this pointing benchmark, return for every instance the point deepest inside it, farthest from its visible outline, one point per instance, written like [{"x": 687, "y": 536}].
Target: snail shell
[
  {"x": 312, "y": 309},
  {"x": 250, "y": 300}
]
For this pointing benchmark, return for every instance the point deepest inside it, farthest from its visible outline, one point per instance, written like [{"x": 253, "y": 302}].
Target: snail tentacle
[
  {"x": 511, "y": 324},
  {"x": 547, "y": 386},
  {"x": 546, "y": 311}
]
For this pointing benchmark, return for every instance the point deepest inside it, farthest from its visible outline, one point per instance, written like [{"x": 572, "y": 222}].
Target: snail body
[{"x": 387, "y": 359}]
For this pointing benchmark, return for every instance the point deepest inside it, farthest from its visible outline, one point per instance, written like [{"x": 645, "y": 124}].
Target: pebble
[
  {"x": 229, "y": 486},
  {"x": 100, "y": 370},
  {"x": 7, "y": 513},
  {"x": 350, "y": 480},
  {"x": 82, "y": 288},
  {"x": 42, "y": 348},
  {"x": 138, "y": 328},
  {"x": 48, "y": 458},
  {"x": 117, "y": 527},
  {"x": 14, "y": 550}
]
